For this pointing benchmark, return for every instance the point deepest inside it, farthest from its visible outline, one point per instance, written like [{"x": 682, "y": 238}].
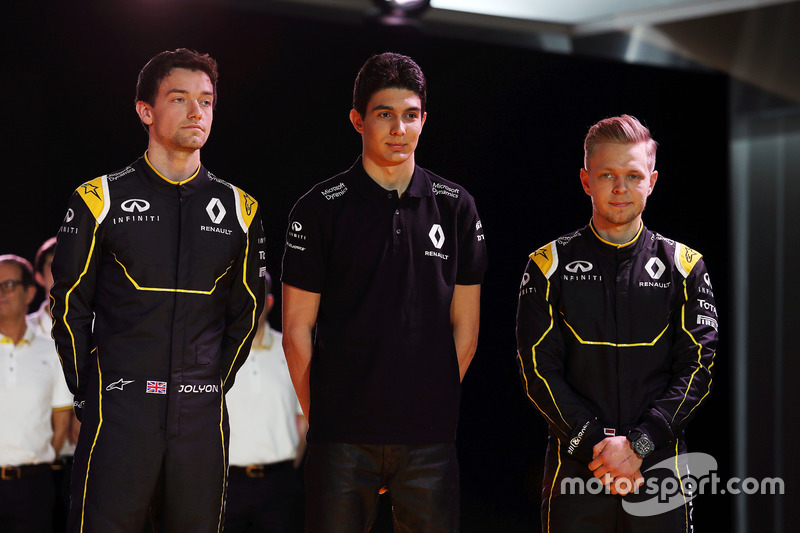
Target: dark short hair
[
  {"x": 388, "y": 71},
  {"x": 47, "y": 248},
  {"x": 23, "y": 264},
  {"x": 159, "y": 67}
]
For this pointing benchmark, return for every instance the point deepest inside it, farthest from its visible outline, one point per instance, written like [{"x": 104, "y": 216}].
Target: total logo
[
  {"x": 135, "y": 205},
  {"x": 216, "y": 211}
]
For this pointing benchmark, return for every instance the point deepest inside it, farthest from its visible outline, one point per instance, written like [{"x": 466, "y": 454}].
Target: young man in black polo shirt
[{"x": 381, "y": 298}]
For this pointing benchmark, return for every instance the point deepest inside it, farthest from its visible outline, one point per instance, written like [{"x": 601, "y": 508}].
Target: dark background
[{"x": 506, "y": 123}]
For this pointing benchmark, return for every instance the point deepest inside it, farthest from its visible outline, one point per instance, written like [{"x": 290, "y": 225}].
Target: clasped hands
[{"x": 616, "y": 466}]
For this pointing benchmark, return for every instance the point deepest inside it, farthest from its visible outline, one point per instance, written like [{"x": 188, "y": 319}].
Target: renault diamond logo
[
  {"x": 215, "y": 206},
  {"x": 579, "y": 266},
  {"x": 655, "y": 267},
  {"x": 437, "y": 236},
  {"x": 135, "y": 204}
]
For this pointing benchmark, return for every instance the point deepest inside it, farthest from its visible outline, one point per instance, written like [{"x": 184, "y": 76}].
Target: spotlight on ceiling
[{"x": 400, "y": 12}]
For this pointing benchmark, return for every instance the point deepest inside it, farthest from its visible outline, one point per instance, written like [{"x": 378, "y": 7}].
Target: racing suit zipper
[{"x": 173, "y": 410}]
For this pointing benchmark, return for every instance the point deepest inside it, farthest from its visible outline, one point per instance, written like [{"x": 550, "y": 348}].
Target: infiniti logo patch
[
  {"x": 579, "y": 266},
  {"x": 135, "y": 205}
]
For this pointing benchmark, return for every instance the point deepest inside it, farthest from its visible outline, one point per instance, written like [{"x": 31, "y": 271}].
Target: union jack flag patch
[{"x": 156, "y": 387}]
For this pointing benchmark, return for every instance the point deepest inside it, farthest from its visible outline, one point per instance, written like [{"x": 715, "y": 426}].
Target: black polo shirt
[{"x": 384, "y": 368}]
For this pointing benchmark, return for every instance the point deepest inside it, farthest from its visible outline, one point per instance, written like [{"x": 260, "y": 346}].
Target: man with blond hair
[{"x": 616, "y": 336}]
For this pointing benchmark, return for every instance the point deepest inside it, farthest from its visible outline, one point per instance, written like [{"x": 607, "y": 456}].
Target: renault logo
[
  {"x": 216, "y": 211},
  {"x": 135, "y": 205},
  {"x": 579, "y": 266},
  {"x": 655, "y": 267},
  {"x": 437, "y": 236}
]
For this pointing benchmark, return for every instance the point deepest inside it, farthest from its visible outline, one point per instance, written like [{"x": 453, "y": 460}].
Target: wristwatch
[{"x": 641, "y": 444}]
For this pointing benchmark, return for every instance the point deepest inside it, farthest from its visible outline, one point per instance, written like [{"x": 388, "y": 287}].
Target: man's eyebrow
[
  {"x": 381, "y": 107},
  {"x": 185, "y": 91}
]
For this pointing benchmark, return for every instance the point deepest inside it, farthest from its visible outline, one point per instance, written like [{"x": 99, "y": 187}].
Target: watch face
[{"x": 643, "y": 446}]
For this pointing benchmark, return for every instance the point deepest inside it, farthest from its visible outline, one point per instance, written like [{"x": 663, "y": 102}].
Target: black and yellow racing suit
[
  {"x": 158, "y": 287},
  {"x": 612, "y": 338}
]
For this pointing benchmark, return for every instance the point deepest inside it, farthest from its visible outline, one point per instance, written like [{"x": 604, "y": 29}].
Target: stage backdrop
[{"x": 507, "y": 124}]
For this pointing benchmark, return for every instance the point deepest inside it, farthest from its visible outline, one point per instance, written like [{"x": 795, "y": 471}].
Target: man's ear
[
  {"x": 145, "y": 112},
  {"x": 357, "y": 121},
  {"x": 653, "y": 178},
  {"x": 585, "y": 181}
]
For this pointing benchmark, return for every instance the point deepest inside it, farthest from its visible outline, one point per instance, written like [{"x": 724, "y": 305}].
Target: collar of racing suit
[
  {"x": 620, "y": 251},
  {"x": 188, "y": 186}
]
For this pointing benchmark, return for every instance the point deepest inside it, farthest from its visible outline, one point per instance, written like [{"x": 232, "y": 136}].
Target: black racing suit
[
  {"x": 613, "y": 338},
  {"x": 156, "y": 297}
]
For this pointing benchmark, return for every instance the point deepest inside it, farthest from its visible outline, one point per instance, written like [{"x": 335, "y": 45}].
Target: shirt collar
[
  {"x": 27, "y": 338},
  {"x": 419, "y": 186}
]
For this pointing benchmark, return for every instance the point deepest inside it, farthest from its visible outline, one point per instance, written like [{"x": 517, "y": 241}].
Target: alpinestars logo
[
  {"x": 216, "y": 211},
  {"x": 119, "y": 384},
  {"x": 88, "y": 188},
  {"x": 248, "y": 203}
]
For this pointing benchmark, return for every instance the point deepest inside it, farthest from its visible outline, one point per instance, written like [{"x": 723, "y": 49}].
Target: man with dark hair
[
  {"x": 381, "y": 296},
  {"x": 41, "y": 323},
  {"x": 616, "y": 337},
  {"x": 34, "y": 404},
  {"x": 40, "y": 320},
  {"x": 157, "y": 291}
]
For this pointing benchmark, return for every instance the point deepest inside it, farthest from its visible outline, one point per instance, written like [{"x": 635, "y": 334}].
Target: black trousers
[
  {"x": 131, "y": 466},
  {"x": 343, "y": 483},
  {"x": 574, "y": 502},
  {"x": 269, "y": 500},
  {"x": 26, "y": 504}
]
